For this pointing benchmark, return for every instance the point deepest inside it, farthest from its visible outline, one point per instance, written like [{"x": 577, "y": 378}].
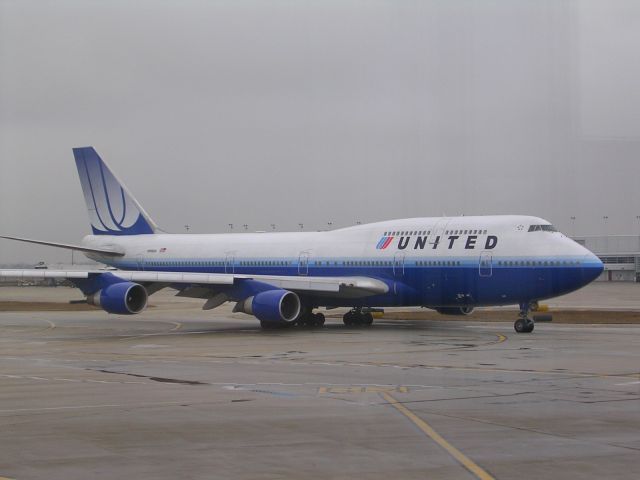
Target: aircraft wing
[
  {"x": 348, "y": 287},
  {"x": 102, "y": 251}
]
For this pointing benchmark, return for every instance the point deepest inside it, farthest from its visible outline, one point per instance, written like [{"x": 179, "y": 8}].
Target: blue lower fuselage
[{"x": 459, "y": 284}]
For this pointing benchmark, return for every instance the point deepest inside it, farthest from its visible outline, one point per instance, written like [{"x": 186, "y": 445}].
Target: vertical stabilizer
[{"x": 112, "y": 209}]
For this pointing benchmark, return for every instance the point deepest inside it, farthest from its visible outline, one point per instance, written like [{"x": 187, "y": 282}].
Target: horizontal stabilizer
[{"x": 101, "y": 251}]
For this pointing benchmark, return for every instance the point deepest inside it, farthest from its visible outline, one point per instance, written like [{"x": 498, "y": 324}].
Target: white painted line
[
  {"x": 76, "y": 407},
  {"x": 628, "y": 383}
]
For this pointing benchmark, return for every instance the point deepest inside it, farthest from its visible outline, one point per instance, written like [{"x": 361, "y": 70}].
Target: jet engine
[
  {"x": 272, "y": 307},
  {"x": 124, "y": 298},
  {"x": 455, "y": 310}
]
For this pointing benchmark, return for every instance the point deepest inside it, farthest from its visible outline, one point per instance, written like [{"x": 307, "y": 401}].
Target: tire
[
  {"x": 520, "y": 326},
  {"x": 307, "y": 320},
  {"x": 348, "y": 319},
  {"x": 367, "y": 318},
  {"x": 319, "y": 319},
  {"x": 529, "y": 327}
]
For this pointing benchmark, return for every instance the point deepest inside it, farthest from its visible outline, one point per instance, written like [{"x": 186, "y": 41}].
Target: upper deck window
[{"x": 542, "y": 228}]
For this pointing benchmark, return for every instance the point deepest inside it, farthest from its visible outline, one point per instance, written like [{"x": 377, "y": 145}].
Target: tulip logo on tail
[
  {"x": 112, "y": 211},
  {"x": 384, "y": 243}
]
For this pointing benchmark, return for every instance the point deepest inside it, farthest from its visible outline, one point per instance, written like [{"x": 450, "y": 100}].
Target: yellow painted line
[
  {"x": 6, "y": 478},
  {"x": 501, "y": 338},
  {"x": 177, "y": 326},
  {"x": 465, "y": 461}
]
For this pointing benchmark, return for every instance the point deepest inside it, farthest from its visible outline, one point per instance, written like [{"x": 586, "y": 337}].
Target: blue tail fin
[{"x": 112, "y": 209}]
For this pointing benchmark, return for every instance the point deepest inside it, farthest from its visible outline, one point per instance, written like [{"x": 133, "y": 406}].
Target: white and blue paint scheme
[{"x": 450, "y": 264}]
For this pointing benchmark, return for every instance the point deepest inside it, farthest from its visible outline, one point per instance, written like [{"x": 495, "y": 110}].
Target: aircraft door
[
  {"x": 485, "y": 267},
  {"x": 398, "y": 265},
  {"x": 229, "y": 263},
  {"x": 140, "y": 262},
  {"x": 303, "y": 263}
]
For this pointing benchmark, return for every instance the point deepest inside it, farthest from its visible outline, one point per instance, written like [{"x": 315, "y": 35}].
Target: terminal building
[{"x": 619, "y": 253}]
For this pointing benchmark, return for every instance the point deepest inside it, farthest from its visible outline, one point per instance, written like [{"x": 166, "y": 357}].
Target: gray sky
[{"x": 285, "y": 112}]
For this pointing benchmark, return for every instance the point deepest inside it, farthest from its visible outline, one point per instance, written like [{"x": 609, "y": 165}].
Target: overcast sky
[{"x": 218, "y": 112}]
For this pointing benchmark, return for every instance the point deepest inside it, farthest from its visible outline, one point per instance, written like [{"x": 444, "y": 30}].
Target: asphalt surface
[{"x": 180, "y": 393}]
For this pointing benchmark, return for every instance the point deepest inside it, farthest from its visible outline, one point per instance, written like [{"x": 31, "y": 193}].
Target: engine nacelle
[
  {"x": 455, "y": 310},
  {"x": 124, "y": 298},
  {"x": 272, "y": 306}
]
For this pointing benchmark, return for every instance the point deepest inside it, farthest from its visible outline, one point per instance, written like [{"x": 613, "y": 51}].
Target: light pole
[
  {"x": 273, "y": 227},
  {"x": 329, "y": 225},
  {"x": 301, "y": 225},
  {"x": 246, "y": 227},
  {"x": 187, "y": 228},
  {"x": 573, "y": 226},
  {"x": 604, "y": 219},
  {"x": 231, "y": 226},
  {"x": 358, "y": 222},
  {"x": 638, "y": 219}
]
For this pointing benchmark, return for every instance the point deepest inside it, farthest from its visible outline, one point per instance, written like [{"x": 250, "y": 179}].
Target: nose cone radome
[{"x": 592, "y": 267}]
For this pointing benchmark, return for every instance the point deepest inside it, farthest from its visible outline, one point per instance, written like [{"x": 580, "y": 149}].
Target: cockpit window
[{"x": 542, "y": 228}]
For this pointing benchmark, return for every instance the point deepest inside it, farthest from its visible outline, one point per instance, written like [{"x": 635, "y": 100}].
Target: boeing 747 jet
[{"x": 449, "y": 264}]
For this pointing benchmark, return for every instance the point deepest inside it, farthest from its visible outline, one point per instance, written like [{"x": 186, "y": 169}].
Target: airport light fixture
[
  {"x": 301, "y": 225},
  {"x": 231, "y": 226},
  {"x": 273, "y": 226},
  {"x": 573, "y": 225}
]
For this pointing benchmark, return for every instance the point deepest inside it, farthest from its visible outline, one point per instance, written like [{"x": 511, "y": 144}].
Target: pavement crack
[{"x": 155, "y": 379}]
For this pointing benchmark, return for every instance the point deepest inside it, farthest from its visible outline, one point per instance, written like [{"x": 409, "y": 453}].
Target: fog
[{"x": 282, "y": 112}]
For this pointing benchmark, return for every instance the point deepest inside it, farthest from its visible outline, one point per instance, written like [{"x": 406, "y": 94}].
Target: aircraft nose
[{"x": 592, "y": 267}]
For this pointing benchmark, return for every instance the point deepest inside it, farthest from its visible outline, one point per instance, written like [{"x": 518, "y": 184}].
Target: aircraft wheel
[
  {"x": 318, "y": 319},
  {"x": 367, "y": 318},
  {"x": 349, "y": 319},
  {"x": 523, "y": 325},
  {"x": 307, "y": 320}
]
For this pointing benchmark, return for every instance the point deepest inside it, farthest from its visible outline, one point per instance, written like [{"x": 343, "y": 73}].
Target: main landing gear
[
  {"x": 356, "y": 317},
  {"x": 310, "y": 319},
  {"x": 524, "y": 324}
]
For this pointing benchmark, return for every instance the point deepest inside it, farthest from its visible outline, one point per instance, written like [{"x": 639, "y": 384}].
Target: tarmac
[{"x": 177, "y": 392}]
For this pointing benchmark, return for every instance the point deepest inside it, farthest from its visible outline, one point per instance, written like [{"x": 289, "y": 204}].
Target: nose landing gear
[{"x": 524, "y": 324}]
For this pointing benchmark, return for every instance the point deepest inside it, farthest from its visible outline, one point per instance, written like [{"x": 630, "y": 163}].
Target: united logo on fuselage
[
  {"x": 384, "y": 243},
  {"x": 469, "y": 242}
]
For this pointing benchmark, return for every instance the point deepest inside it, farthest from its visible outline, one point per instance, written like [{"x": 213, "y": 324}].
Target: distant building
[{"x": 619, "y": 253}]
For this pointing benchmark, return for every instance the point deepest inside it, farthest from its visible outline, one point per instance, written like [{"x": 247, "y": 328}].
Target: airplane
[{"x": 449, "y": 264}]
